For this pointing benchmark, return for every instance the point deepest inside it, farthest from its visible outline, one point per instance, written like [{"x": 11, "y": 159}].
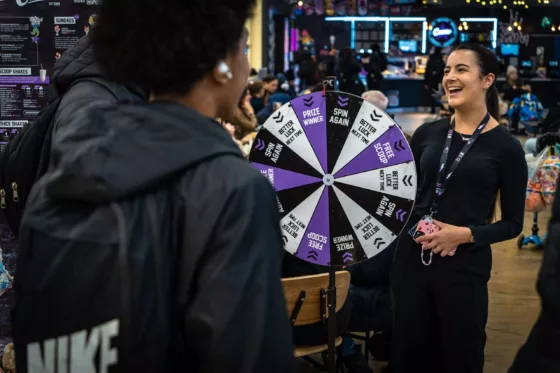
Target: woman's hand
[
  {"x": 246, "y": 105},
  {"x": 445, "y": 241},
  {"x": 229, "y": 128}
]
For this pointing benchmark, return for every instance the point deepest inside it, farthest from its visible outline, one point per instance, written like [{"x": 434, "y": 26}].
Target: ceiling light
[
  {"x": 510, "y": 29},
  {"x": 515, "y": 24}
]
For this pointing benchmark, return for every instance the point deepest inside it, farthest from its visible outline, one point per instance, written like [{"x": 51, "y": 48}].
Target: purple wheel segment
[
  {"x": 315, "y": 244},
  {"x": 389, "y": 150},
  {"x": 311, "y": 112},
  {"x": 283, "y": 179}
]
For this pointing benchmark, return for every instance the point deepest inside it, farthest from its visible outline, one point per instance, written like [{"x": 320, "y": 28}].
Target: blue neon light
[{"x": 443, "y": 33}]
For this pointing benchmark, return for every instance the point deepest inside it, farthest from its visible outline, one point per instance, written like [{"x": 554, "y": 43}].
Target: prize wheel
[{"x": 344, "y": 175}]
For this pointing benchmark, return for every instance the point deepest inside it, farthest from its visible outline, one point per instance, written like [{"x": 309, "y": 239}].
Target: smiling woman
[
  {"x": 470, "y": 77},
  {"x": 441, "y": 298}
]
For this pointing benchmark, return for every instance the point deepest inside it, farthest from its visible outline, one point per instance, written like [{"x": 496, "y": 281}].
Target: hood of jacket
[
  {"x": 79, "y": 62},
  {"x": 111, "y": 152}
]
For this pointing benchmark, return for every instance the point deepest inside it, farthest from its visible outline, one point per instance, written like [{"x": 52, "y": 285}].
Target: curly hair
[{"x": 167, "y": 45}]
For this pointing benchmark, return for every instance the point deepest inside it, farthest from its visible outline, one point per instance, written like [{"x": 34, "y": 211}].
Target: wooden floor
[{"x": 514, "y": 304}]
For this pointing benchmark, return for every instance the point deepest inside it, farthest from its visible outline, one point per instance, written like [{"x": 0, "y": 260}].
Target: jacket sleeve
[
  {"x": 237, "y": 320},
  {"x": 540, "y": 352}
]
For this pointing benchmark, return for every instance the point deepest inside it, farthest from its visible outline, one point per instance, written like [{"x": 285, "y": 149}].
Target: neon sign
[{"x": 443, "y": 32}]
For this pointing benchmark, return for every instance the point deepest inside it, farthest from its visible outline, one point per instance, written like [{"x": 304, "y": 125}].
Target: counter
[{"x": 409, "y": 92}]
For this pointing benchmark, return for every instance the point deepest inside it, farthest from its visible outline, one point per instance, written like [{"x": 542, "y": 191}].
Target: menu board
[{"x": 33, "y": 35}]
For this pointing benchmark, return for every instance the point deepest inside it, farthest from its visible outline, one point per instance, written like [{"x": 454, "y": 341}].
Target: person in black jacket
[
  {"x": 223, "y": 219},
  {"x": 348, "y": 73},
  {"x": 376, "y": 65},
  {"x": 434, "y": 75},
  {"x": 540, "y": 352},
  {"x": 71, "y": 78}
]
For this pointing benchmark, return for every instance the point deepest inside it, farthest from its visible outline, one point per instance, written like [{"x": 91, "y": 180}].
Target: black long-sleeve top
[{"x": 495, "y": 162}]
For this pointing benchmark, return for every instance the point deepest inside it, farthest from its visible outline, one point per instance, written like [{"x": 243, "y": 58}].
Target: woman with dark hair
[
  {"x": 441, "y": 269},
  {"x": 214, "y": 218},
  {"x": 258, "y": 95},
  {"x": 270, "y": 84}
]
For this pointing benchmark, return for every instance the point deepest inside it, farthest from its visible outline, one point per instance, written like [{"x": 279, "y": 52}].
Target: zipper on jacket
[
  {"x": 2, "y": 198},
  {"x": 15, "y": 192}
]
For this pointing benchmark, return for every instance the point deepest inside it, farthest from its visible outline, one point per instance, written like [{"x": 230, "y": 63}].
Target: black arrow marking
[
  {"x": 279, "y": 118},
  {"x": 285, "y": 239},
  {"x": 399, "y": 146},
  {"x": 308, "y": 101},
  {"x": 379, "y": 242},
  {"x": 373, "y": 119},
  {"x": 407, "y": 180},
  {"x": 312, "y": 255}
]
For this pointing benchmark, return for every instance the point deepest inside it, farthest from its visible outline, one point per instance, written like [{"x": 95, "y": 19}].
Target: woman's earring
[{"x": 223, "y": 68}]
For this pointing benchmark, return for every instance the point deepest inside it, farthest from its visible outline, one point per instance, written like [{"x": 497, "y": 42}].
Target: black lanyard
[{"x": 443, "y": 178}]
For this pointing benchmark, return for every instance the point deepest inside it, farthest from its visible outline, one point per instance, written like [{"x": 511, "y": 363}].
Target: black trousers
[{"x": 439, "y": 315}]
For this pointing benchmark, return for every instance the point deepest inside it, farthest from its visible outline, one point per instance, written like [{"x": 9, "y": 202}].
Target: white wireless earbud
[{"x": 223, "y": 68}]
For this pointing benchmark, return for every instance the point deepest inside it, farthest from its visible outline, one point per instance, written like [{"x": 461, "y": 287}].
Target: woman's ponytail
[{"x": 493, "y": 102}]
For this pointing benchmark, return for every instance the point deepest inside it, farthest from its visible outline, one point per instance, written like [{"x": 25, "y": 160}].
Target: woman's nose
[{"x": 449, "y": 77}]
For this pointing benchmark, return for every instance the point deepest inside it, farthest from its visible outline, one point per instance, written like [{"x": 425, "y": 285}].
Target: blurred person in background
[
  {"x": 283, "y": 94},
  {"x": 348, "y": 73},
  {"x": 244, "y": 120},
  {"x": 270, "y": 83},
  {"x": 434, "y": 76},
  {"x": 307, "y": 73},
  {"x": 258, "y": 95},
  {"x": 513, "y": 87},
  {"x": 541, "y": 351},
  {"x": 376, "y": 64}
]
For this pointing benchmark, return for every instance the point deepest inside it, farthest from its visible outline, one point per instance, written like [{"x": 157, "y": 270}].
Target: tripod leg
[{"x": 331, "y": 300}]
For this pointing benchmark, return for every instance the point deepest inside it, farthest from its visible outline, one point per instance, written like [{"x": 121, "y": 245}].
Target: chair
[
  {"x": 364, "y": 337},
  {"x": 306, "y": 303}
]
